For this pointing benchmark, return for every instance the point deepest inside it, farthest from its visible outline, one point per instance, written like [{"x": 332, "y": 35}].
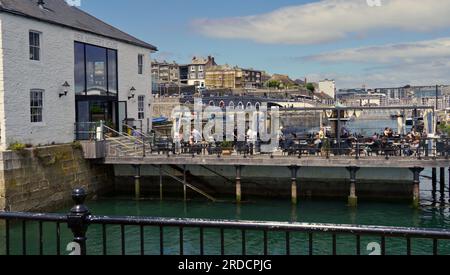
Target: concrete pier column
[
  {"x": 434, "y": 184},
  {"x": 353, "y": 199},
  {"x": 416, "y": 188},
  {"x": 294, "y": 187},
  {"x": 184, "y": 183},
  {"x": 137, "y": 181},
  {"x": 238, "y": 184}
]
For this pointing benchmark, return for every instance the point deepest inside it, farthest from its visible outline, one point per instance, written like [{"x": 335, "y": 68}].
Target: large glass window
[
  {"x": 36, "y": 105},
  {"x": 112, "y": 72},
  {"x": 95, "y": 70},
  {"x": 80, "y": 70},
  {"x": 35, "y": 46}
]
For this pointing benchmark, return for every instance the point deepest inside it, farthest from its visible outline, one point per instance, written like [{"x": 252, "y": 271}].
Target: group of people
[{"x": 385, "y": 140}]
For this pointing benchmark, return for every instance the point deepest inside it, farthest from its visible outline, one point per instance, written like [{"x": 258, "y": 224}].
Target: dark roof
[{"x": 60, "y": 13}]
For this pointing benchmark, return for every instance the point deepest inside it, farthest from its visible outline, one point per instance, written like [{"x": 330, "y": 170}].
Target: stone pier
[{"x": 42, "y": 179}]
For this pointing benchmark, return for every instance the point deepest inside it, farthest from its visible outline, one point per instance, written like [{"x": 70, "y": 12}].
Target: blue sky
[{"x": 400, "y": 42}]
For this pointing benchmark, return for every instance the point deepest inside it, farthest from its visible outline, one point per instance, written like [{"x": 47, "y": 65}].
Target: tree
[
  {"x": 273, "y": 84},
  {"x": 311, "y": 87}
]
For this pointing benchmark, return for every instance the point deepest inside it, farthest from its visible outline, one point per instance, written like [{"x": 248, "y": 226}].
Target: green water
[{"x": 310, "y": 211}]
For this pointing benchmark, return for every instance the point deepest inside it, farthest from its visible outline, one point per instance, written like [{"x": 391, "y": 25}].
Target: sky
[{"x": 372, "y": 43}]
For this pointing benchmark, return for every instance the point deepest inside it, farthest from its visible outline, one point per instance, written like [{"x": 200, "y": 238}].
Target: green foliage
[
  {"x": 17, "y": 147},
  {"x": 310, "y": 87},
  {"x": 227, "y": 145},
  {"x": 77, "y": 145},
  {"x": 273, "y": 84},
  {"x": 97, "y": 110},
  {"x": 445, "y": 129}
]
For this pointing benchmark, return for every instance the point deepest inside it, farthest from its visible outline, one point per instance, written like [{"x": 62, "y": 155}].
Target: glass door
[
  {"x": 122, "y": 114},
  {"x": 83, "y": 125}
]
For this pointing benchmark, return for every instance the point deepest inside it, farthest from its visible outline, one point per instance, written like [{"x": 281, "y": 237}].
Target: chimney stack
[{"x": 41, "y": 3}]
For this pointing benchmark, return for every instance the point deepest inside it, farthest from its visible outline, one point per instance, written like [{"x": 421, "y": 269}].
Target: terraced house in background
[
  {"x": 60, "y": 66},
  {"x": 194, "y": 74}
]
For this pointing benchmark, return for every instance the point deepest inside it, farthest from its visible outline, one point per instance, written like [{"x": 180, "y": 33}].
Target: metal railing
[
  {"x": 425, "y": 148},
  {"x": 80, "y": 220},
  {"x": 86, "y": 130}
]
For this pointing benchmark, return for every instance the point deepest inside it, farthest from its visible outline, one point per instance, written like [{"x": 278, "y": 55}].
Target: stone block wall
[{"x": 42, "y": 179}]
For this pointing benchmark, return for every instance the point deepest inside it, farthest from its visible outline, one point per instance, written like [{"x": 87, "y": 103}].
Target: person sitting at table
[
  {"x": 375, "y": 137},
  {"x": 318, "y": 143}
]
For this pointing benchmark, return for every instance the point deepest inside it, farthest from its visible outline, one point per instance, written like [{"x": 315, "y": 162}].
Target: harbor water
[{"x": 432, "y": 214}]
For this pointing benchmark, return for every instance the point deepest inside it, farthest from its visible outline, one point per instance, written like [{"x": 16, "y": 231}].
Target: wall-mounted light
[
  {"x": 132, "y": 93},
  {"x": 65, "y": 89}
]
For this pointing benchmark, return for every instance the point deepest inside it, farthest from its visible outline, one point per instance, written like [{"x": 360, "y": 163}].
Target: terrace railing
[
  {"x": 425, "y": 148},
  {"x": 80, "y": 221}
]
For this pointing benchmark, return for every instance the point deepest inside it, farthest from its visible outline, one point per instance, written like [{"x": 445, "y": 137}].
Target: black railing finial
[
  {"x": 77, "y": 219},
  {"x": 79, "y": 196}
]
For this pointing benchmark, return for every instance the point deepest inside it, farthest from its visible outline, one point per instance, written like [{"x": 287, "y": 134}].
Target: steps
[{"x": 125, "y": 146}]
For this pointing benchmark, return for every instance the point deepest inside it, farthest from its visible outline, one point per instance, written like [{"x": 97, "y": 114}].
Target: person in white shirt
[
  {"x": 251, "y": 139},
  {"x": 196, "y": 136}
]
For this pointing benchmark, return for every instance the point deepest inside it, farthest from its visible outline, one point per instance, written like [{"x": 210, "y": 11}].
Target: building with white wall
[
  {"x": 328, "y": 87},
  {"x": 60, "y": 66}
]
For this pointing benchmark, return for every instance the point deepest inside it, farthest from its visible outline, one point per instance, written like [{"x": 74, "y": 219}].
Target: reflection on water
[{"x": 310, "y": 211}]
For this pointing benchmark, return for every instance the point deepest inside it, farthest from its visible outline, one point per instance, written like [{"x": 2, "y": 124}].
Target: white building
[
  {"x": 328, "y": 87},
  {"x": 60, "y": 66}
]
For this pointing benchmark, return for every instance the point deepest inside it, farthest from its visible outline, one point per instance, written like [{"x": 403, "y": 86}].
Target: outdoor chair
[{"x": 242, "y": 148}]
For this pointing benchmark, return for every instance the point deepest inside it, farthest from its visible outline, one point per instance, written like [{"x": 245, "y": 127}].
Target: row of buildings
[
  {"x": 206, "y": 73},
  {"x": 407, "y": 95}
]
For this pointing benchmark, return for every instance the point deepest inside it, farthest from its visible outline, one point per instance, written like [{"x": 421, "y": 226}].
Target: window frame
[
  {"x": 141, "y": 107},
  {"x": 141, "y": 58},
  {"x": 109, "y": 95},
  {"x": 33, "y": 99},
  {"x": 35, "y": 47}
]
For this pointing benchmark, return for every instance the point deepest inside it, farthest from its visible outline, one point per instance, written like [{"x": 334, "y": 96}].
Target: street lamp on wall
[
  {"x": 65, "y": 90},
  {"x": 132, "y": 93}
]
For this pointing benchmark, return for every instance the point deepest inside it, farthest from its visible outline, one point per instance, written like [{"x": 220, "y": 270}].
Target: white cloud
[
  {"x": 427, "y": 73},
  {"x": 392, "y": 53},
  {"x": 330, "y": 20},
  {"x": 417, "y": 63}
]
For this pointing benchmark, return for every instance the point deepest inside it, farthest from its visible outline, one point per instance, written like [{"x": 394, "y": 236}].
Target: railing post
[
  {"x": 434, "y": 149},
  {"x": 447, "y": 149},
  {"x": 100, "y": 135},
  {"x": 434, "y": 183},
  {"x": 357, "y": 149},
  {"x": 143, "y": 145},
  {"x": 442, "y": 182},
  {"x": 77, "y": 220}
]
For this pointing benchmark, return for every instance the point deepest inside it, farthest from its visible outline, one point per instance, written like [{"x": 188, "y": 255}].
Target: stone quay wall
[{"x": 42, "y": 179}]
